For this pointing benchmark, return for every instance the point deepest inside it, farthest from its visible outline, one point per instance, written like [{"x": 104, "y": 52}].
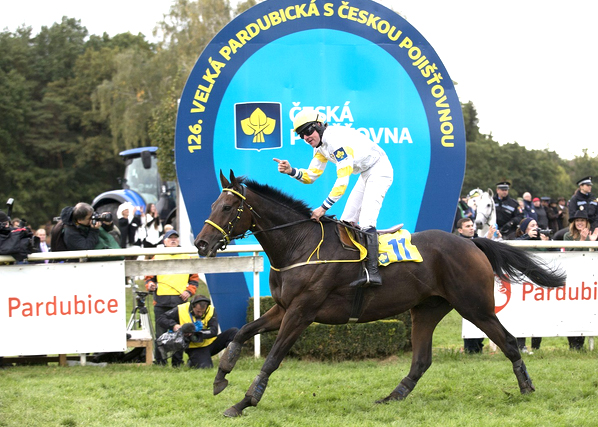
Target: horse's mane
[{"x": 277, "y": 195}]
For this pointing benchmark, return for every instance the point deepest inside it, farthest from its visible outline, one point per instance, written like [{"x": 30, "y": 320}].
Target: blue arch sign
[{"x": 360, "y": 65}]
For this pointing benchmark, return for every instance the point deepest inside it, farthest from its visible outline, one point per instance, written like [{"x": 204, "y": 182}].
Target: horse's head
[
  {"x": 230, "y": 218},
  {"x": 473, "y": 196},
  {"x": 484, "y": 210}
]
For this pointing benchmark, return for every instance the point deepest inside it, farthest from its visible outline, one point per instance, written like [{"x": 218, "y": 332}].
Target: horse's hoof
[
  {"x": 232, "y": 412},
  {"x": 390, "y": 398},
  {"x": 219, "y": 386},
  {"x": 528, "y": 390}
]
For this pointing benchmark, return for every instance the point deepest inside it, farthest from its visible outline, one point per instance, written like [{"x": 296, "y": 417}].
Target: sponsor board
[
  {"x": 527, "y": 310},
  {"x": 357, "y": 63},
  {"x": 62, "y": 308}
]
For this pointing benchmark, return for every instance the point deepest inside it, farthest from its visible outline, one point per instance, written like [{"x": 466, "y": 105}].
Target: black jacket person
[
  {"x": 508, "y": 213},
  {"x": 583, "y": 200}
]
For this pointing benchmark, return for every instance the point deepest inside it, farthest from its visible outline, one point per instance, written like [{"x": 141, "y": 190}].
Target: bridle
[
  {"x": 487, "y": 217},
  {"x": 226, "y": 234},
  {"x": 227, "y": 238}
]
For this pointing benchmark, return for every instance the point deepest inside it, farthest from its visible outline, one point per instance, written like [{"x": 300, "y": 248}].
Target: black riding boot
[{"x": 372, "y": 275}]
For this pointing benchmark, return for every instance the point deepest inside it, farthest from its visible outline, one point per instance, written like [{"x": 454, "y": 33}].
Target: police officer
[
  {"x": 508, "y": 212},
  {"x": 353, "y": 153},
  {"x": 583, "y": 200}
]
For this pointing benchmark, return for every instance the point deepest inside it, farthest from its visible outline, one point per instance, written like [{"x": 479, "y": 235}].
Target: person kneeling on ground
[{"x": 205, "y": 341}]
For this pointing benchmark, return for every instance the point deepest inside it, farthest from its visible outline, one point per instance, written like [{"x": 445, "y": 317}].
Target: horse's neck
[
  {"x": 278, "y": 229},
  {"x": 288, "y": 245}
]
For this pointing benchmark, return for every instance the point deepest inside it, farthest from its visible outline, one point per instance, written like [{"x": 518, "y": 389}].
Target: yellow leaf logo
[{"x": 258, "y": 125}]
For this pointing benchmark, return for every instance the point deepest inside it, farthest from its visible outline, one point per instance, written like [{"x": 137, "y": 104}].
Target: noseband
[{"x": 487, "y": 216}]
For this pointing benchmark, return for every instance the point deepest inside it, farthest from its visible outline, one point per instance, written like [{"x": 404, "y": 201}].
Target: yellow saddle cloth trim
[{"x": 395, "y": 247}]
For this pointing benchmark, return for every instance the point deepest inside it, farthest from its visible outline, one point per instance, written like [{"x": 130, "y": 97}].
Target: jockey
[{"x": 353, "y": 153}]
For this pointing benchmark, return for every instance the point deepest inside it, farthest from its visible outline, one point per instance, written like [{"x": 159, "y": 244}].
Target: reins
[
  {"x": 227, "y": 238},
  {"x": 362, "y": 255}
]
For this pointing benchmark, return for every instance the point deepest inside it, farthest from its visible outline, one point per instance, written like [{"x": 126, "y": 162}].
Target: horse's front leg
[
  {"x": 270, "y": 321},
  {"x": 293, "y": 324}
]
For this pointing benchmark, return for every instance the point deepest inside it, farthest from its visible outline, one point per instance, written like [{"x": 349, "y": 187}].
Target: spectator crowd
[
  {"x": 533, "y": 218},
  {"x": 529, "y": 217}
]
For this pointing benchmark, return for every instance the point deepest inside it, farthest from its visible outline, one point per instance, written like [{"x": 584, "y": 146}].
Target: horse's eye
[{"x": 226, "y": 208}]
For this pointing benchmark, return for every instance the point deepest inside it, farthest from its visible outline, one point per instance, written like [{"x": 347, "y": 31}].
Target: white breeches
[{"x": 365, "y": 200}]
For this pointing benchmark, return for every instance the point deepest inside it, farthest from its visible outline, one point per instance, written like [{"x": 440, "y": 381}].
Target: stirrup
[{"x": 365, "y": 281}]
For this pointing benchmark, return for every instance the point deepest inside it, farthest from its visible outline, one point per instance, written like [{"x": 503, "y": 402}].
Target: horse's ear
[
  {"x": 233, "y": 179},
  {"x": 491, "y": 192},
  {"x": 223, "y": 180}
]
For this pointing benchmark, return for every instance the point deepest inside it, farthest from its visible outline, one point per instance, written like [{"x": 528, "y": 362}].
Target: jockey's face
[{"x": 313, "y": 138}]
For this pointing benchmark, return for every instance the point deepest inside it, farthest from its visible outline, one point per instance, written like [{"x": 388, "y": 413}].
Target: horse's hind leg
[
  {"x": 270, "y": 321},
  {"x": 495, "y": 331},
  {"x": 425, "y": 317}
]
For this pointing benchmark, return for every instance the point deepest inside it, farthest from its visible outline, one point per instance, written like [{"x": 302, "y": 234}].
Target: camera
[
  {"x": 103, "y": 217},
  {"x": 545, "y": 232}
]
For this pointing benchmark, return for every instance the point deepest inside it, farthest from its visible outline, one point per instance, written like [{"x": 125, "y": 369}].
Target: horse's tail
[{"x": 510, "y": 262}]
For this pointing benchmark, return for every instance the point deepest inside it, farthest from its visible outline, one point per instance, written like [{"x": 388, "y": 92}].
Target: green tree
[
  {"x": 470, "y": 119},
  {"x": 186, "y": 31},
  {"x": 582, "y": 166},
  {"x": 161, "y": 133},
  {"x": 541, "y": 172}
]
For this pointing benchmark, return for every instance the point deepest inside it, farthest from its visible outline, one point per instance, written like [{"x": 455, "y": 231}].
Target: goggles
[{"x": 307, "y": 131}]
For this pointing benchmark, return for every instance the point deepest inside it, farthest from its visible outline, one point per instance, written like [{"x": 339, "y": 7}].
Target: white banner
[
  {"x": 527, "y": 310},
  {"x": 62, "y": 308}
]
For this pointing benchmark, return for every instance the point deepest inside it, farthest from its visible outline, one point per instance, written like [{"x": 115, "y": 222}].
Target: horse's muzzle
[{"x": 204, "y": 249}]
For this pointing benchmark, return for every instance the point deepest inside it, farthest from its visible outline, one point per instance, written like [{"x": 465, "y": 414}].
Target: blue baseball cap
[{"x": 170, "y": 233}]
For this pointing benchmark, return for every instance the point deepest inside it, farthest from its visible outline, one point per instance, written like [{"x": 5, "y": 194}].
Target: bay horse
[{"x": 456, "y": 273}]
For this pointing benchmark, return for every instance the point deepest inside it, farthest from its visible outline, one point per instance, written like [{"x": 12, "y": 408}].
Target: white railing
[
  {"x": 142, "y": 267},
  {"x": 252, "y": 264}
]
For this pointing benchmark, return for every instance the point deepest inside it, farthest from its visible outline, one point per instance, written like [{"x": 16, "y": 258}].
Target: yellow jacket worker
[
  {"x": 170, "y": 291},
  {"x": 205, "y": 340}
]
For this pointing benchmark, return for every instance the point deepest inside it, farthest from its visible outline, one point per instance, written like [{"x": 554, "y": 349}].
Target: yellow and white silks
[{"x": 353, "y": 153}]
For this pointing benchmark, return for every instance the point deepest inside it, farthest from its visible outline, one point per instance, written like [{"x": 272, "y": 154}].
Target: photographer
[
  {"x": 528, "y": 230},
  {"x": 204, "y": 340},
  {"x": 86, "y": 230},
  {"x": 14, "y": 241}
]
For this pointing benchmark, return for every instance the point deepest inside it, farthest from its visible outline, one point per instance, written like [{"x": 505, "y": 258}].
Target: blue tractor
[{"x": 142, "y": 185}]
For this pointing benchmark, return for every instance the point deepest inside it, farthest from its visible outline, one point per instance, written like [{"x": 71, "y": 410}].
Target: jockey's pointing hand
[{"x": 283, "y": 166}]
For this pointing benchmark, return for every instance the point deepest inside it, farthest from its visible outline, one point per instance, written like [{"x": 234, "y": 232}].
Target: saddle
[{"x": 347, "y": 242}]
